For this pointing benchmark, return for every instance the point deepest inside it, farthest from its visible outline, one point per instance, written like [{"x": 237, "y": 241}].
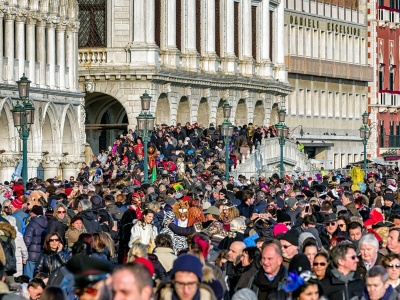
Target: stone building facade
[
  {"x": 190, "y": 56},
  {"x": 40, "y": 39},
  {"x": 326, "y": 53},
  {"x": 384, "y": 92}
]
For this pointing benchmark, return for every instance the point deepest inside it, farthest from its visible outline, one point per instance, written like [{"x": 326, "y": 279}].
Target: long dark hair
[{"x": 46, "y": 244}]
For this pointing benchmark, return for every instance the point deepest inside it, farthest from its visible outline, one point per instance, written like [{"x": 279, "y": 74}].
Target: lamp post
[
  {"x": 24, "y": 116},
  {"x": 365, "y": 133},
  {"x": 282, "y": 132},
  {"x": 145, "y": 121},
  {"x": 227, "y": 131}
]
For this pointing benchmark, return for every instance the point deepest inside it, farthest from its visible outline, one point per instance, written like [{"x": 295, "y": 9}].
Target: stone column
[
  {"x": 245, "y": 36},
  {"x": 70, "y": 166},
  {"x": 31, "y": 48},
  {"x": 228, "y": 58},
  {"x": 41, "y": 51},
  {"x": 9, "y": 45},
  {"x": 51, "y": 53},
  {"x": 34, "y": 161},
  {"x": 51, "y": 165},
  {"x": 69, "y": 55},
  {"x": 143, "y": 50},
  {"x": 60, "y": 32},
  {"x": 279, "y": 42},
  {"x": 1, "y": 46},
  {"x": 20, "y": 44},
  {"x": 190, "y": 57},
  {"x": 209, "y": 58},
  {"x": 263, "y": 35},
  {"x": 170, "y": 53}
]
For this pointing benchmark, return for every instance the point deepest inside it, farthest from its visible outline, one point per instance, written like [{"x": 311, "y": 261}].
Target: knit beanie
[
  {"x": 187, "y": 263},
  {"x": 245, "y": 294},
  {"x": 17, "y": 203},
  {"x": 292, "y": 236},
  {"x": 147, "y": 263},
  {"x": 279, "y": 229},
  {"x": 282, "y": 217},
  {"x": 299, "y": 263},
  {"x": 37, "y": 210}
]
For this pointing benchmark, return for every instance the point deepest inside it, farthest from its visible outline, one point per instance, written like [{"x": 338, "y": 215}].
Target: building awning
[{"x": 318, "y": 144}]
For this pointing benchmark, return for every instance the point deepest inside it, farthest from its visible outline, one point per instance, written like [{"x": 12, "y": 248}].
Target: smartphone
[{"x": 307, "y": 208}]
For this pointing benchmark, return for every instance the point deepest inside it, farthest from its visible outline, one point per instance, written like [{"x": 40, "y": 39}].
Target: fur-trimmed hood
[
  {"x": 6, "y": 229},
  {"x": 208, "y": 274}
]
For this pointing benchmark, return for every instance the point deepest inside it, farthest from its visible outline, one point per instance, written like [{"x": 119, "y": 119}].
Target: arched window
[{"x": 93, "y": 23}]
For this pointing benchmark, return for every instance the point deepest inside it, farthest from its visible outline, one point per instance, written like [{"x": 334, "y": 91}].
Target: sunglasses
[
  {"x": 6, "y": 207},
  {"x": 330, "y": 224},
  {"x": 397, "y": 266},
  {"x": 54, "y": 240},
  {"x": 89, "y": 290},
  {"x": 316, "y": 264},
  {"x": 61, "y": 212},
  {"x": 353, "y": 257},
  {"x": 341, "y": 225},
  {"x": 286, "y": 246}
]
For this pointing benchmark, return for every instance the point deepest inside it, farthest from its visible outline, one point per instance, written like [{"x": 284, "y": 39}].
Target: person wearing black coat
[
  {"x": 124, "y": 234},
  {"x": 34, "y": 237},
  {"x": 342, "y": 281},
  {"x": 90, "y": 220},
  {"x": 167, "y": 149},
  {"x": 59, "y": 222},
  {"x": 52, "y": 257}
]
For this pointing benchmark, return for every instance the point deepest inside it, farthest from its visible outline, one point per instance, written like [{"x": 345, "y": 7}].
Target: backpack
[
  {"x": 23, "y": 222},
  {"x": 10, "y": 268}
]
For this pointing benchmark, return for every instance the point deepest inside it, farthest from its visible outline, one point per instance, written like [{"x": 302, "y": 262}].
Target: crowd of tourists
[{"x": 190, "y": 234}]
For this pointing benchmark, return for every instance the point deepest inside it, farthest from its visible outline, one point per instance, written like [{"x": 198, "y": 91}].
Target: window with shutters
[
  {"x": 178, "y": 24},
  {"x": 236, "y": 29},
  {"x": 93, "y": 23},
  {"x": 157, "y": 22},
  {"x": 217, "y": 29}
]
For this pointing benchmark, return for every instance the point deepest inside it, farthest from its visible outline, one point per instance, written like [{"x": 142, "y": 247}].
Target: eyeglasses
[
  {"x": 54, "y": 240},
  {"x": 287, "y": 223},
  {"x": 61, "y": 212},
  {"x": 316, "y": 264},
  {"x": 353, "y": 257},
  {"x": 6, "y": 207},
  {"x": 182, "y": 285},
  {"x": 341, "y": 225},
  {"x": 89, "y": 290},
  {"x": 330, "y": 224},
  {"x": 286, "y": 246},
  {"x": 397, "y": 266}
]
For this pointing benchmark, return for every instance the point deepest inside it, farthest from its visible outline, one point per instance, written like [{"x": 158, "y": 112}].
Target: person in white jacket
[
  {"x": 144, "y": 231},
  {"x": 21, "y": 252}
]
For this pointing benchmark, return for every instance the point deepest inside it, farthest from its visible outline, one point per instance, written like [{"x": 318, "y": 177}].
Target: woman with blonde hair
[
  {"x": 60, "y": 220},
  {"x": 108, "y": 241},
  {"x": 100, "y": 250},
  {"x": 137, "y": 250}
]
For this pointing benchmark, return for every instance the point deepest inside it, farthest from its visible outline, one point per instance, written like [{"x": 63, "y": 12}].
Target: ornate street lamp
[
  {"x": 365, "y": 133},
  {"x": 24, "y": 117},
  {"x": 145, "y": 121},
  {"x": 227, "y": 131},
  {"x": 282, "y": 132}
]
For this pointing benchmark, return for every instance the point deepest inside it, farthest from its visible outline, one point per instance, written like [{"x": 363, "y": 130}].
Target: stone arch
[
  {"x": 183, "y": 111},
  {"x": 163, "y": 115},
  {"x": 220, "y": 113},
  {"x": 203, "y": 116},
  {"x": 241, "y": 113},
  {"x": 9, "y": 134},
  {"x": 259, "y": 113},
  {"x": 97, "y": 105},
  {"x": 50, "y": 130},
  {"x": 70, "y": 133},
  {"x": 274, "y": 114}
]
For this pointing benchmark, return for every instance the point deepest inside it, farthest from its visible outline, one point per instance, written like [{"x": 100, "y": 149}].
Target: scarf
[
  {"x": 343, "y": 278},
  {"x": 267, "y": 287},
  {"x": 63, "y": 221}
]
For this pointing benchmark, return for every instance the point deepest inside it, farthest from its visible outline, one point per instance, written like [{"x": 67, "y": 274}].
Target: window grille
[{"x": 93, "y": 23}]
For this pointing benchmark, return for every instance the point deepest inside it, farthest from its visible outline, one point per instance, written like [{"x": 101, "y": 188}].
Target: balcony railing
[{"x": 92, "y": 56}]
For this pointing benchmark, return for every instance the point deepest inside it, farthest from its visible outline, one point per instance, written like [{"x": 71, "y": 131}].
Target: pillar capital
[
  {"x": 9, "y": 160},
  {"x": 52, "y": 161}
]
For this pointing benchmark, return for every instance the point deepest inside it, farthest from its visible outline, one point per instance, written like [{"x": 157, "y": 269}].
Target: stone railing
[
  {"x": 266, "y": 158},
  {"x": 92, "y": 56}
]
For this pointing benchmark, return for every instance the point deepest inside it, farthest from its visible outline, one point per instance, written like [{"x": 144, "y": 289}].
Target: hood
[
  {"x": 8, "y": 230},
  {"x": 208, "y": 274},
  {"x": 40, "y": 220}
]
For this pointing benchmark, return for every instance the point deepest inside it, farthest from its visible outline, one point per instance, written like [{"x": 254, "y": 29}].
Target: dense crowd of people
[{"x": 190, "y": 234}]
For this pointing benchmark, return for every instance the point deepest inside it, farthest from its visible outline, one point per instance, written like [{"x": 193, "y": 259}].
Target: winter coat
[
  {"x": 34, "y": 236},
  {"x": 144, "y": 234},
  {"x": 266, "y": 289},
  {"x": 390, "y": 294},
  {"x": 72, "y": 236},
  {"x": 165, "y": 256},
  {"x": 166, "y": 292},
  {"x": 90, "y": 221},
  {"x": 50, "y": 262},
  {"x": 336, "y": 286},
  {"x": 21, "y": 253},
  {"x": 246, "y": 277},
  {"x": 54, "y": 225},
  {"x": 125, "y": 226}
]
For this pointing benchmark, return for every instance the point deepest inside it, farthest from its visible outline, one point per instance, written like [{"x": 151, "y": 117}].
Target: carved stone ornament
[{"x": 89, "y": 86}]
